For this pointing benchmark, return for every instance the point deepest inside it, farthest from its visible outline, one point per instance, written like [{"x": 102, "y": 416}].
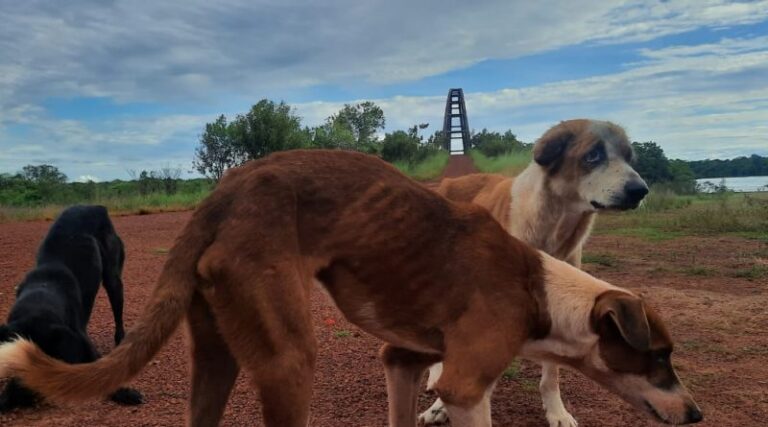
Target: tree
[
  {"x": 266, "y": 128},
  {"x": 651, "y": 162},
  {"x": 683, "y": 180},
  {"x": 45, "y": 180},
  {"x": 494, "y": 144},
  {"x": 399, "y": 146},
  {"x": 43, "y": 174},
  {"x": 363, "y": 120},
  {"x": 331, "y": 135},
  {"x": 216, "y": 152}
]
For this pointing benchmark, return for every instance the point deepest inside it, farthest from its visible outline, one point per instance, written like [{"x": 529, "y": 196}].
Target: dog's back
[
  {"x": 491, "y": 191},
  {"x": 83, "y": 240}
]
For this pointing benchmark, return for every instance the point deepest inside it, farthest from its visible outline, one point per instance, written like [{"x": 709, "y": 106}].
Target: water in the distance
[{"x": 736, "y": 183}]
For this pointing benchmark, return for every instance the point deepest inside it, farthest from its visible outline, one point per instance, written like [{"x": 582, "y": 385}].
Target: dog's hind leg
[
  {"x": 214, "y": 369},
  {"x": 403, "y": 369},
  {"x": 112, "y": 271},
  {"x": 263, "y": 314},
  {"x": 556, "y": 414}
]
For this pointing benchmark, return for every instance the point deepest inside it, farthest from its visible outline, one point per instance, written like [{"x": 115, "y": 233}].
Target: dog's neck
[
  {"x": 551, "y": 222},
  {"x": 570, "y": 298}
]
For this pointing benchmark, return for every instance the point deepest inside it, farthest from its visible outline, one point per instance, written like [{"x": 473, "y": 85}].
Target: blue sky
[{"x": 99, "y": 88}]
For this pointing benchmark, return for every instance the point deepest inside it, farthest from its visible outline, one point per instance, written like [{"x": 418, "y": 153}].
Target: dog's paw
[
  {"x": 561, "y": 419},
  {"x": 127, "y": 396},
  {"x": 435, "y": 415}
]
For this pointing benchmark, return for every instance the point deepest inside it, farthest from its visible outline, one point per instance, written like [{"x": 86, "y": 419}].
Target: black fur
[{"x": 54, "y": 301}]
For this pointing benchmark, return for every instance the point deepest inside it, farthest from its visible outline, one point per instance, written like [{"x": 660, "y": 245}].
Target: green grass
[
  {"x": 700, "y": 271},
  {"x": 752, "y": 273},
  {"x": 605, "y": 260},
  {"x": 667, "y": 216},
  {"x": 131, "y": 205},
  {"x": 512, "y": 371},
  {"x": 509, "y": 164},
  {"x": 342, "y": 334},
  {"x": 430, "y": 168}
]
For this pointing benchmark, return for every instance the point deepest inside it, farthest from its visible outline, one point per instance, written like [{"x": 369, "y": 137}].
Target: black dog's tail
[{"x": 62, "y": 382}]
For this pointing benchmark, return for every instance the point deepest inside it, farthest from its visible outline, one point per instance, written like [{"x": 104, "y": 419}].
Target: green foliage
[
  {"x": 399, "y": 146},
  {"x": 512, "y": 371},
  {"x": 651, "y": 162},
  {"x": 494, "y": 144},
  {"x": 268, "y": 127},
  {"x": 361, "y": 120},
  {"x": 511, "y": 163},
  {"x": 427, "y": 169},
  {"x": 753, "y": 165},
  {"x": 216, "y": 152},
  {"x": 606, "y": 260},
  {"x": 654, "y": 167},
  {"x": 705, "y": 214}
]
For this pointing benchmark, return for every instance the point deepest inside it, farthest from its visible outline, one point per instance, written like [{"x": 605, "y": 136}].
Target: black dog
[{"x": 55, "y": 299}]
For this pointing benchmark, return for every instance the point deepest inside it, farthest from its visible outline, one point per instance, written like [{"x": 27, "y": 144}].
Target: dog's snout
[
  {"x": 635, "y": 190},
  {"x": 693, "y": 415}
]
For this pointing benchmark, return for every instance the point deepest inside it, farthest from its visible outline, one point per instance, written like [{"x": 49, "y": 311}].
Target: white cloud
[{"x": 690, "y": 98}]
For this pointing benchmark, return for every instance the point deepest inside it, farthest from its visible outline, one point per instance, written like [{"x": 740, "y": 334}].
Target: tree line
[{"x": 271, "y": 126}]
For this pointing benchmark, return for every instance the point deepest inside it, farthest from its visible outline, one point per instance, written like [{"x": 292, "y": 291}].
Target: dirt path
[
  {"x": 458, "y": 165},
  {"x": 720, "y": 324}
]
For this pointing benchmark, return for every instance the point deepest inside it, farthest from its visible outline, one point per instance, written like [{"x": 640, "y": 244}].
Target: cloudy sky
[{"x": 98, "y": 87}]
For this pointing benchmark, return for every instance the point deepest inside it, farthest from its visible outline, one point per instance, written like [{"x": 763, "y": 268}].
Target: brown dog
[
  {"x": 580, "y": 167},
  {"x": 385, "y": 249}
]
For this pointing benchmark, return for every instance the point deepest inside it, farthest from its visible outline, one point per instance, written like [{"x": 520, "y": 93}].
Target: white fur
[
  {"x": 549, "y": 387},
  {"x": 476, "y": 416}
]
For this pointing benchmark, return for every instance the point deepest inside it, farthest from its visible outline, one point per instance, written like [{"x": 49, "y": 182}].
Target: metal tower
[{"x": 455, "y": 125}]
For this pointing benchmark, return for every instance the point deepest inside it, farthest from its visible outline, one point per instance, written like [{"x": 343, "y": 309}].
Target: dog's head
[
  {"x": 632, "y": 358},
  {"x": 590, "y": 160}
]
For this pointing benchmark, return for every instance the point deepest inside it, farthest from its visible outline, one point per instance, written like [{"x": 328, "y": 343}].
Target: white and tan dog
[
  {"x": 579, "y": 168},
  {"x": 435, "y": 280}
]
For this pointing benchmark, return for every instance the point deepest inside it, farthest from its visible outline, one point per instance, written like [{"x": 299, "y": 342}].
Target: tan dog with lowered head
[
  {"x": 435, "y": 280},
  {"x": 580, "y": 167}
]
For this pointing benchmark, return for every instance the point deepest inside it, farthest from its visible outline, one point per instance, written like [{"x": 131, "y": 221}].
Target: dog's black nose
[
  {"x": 635, "y": 191},
  {"x": 694, "y": 415}
]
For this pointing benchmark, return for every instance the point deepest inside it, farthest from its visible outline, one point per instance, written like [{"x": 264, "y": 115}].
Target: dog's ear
[
  {"x": 5, "y": 333},
  {"x": 627, "y": 314},
  {"x": 552, "y": 145}
]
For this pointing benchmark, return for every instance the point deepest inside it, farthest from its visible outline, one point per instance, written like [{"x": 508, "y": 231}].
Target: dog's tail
[{"x": 169, "y": 302}]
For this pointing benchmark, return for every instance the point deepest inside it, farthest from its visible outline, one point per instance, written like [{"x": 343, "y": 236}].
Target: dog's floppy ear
[
  {"x": 6, "y": 334},
  {"x": 627, "y": 313},
  {"x": 552, "y": 145}
]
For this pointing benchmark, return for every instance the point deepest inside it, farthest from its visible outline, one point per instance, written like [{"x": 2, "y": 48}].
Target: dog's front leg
[
  {"x": 403, "y": 369},
  {"x": 436, "y": 414},
  {"x": 556, "y": 414}
]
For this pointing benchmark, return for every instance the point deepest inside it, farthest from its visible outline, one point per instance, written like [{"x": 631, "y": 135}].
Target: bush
[{"x": 494, "y": 144}]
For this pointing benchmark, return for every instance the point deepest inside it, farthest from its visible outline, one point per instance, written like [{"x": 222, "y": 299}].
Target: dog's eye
[{"x": 594, "y": 156}]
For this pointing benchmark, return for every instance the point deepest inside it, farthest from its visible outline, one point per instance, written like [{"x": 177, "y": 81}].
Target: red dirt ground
[{"x": 720, "y": 324}]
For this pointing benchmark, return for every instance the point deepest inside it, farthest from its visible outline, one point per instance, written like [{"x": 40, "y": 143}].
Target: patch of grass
[
  {"x": 756, "y": 271},
  {"x": 342, "y": 333},
  {"x": 647, "y": 233},
  {"x": 529, "y": 385},
  {"x": 509, "y": 164},
  {"x": 606, "y": 260},
  {"x": 754, "y": 350},
  {"x": 430, "y": 168},
  {"x": 512, "y": 371},
  {"x": 703, "y": 347},
  {"x": 698, "y": 270},
  {"x": 668, "y": 216},
  {"x": 129, "y": 205}
]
